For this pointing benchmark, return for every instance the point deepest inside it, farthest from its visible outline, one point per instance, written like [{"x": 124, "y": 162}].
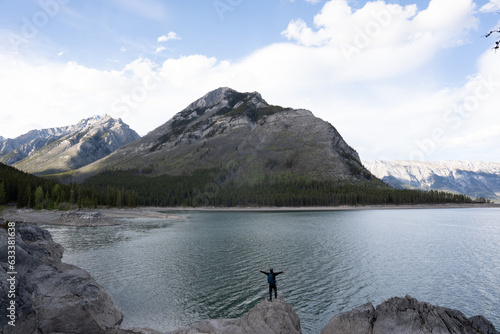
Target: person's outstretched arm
[
  {"x": 263, "y": 272},
  {"x": 281, "y": 272}
]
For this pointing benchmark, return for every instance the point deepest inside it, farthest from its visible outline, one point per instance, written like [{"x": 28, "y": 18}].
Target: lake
[{"x": 168, "y": 273}]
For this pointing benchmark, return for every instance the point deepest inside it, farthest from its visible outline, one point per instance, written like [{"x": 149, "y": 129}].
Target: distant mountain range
[
  {"x": 241, "y": 137},
  {"x": 473, "y": 178},
  {"x": 56, "y": 150}
]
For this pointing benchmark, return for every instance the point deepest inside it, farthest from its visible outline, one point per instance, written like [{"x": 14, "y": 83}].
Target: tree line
[
  {"x": 208, "y": 187},
  {"x": 30, "y": 191},
  {"x": 211, "y": 188}
]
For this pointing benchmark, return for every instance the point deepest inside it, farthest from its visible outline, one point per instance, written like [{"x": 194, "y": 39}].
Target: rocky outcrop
[
  {"x": 406, "y": 316},
  {"x": 266, "y": 318},
  {"x": 50, "y": 296},
  {"x": 84, "y": 218}
]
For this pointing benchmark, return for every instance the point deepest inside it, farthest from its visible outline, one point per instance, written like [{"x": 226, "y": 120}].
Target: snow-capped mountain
[
  {"x": 473, "y": 178},
  {"x": 33, "y": 140},
  {"x": 65, "y": 148}
]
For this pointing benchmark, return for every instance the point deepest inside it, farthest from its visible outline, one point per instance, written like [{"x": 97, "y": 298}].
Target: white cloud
[
  {"x": 159, "y": 49},
  {"x": 491, "y": 6},
  {"x": 169, "y": 37},
  {"x": 378, "y": 29},
  {"x": 49, "y": 94}
]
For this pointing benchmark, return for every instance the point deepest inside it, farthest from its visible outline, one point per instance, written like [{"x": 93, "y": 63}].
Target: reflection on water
[{"x": 165, "y": 274}]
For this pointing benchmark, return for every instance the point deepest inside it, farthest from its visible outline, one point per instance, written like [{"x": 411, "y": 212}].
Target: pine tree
[
  {"x": 38, "y": 198},
  {"x": 3, "y": 194}
]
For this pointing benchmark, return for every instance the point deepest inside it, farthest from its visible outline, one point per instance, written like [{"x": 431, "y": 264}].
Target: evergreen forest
[
  {"x": 204, "y": 188},
  {"x": 29, "y": 191},
  {"x": 211, "y": 188}
]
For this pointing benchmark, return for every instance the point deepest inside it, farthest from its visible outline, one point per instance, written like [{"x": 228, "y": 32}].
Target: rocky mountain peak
[
  {"x": 246, "y": 137},
  {"x": 96, "y": 120},
  {"x": 224, "y": 98}
]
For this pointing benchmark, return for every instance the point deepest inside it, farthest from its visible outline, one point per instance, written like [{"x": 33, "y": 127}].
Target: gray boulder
[
  {"x": 406, "y": 316},
  {"x": 51, "y": 296},
  {"x": 265, "y": 318},
  {"x": 84, "y": 218}
]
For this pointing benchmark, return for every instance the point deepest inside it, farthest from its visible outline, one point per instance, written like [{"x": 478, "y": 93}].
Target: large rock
[
  {"x": 265, "y": 318},
  {"x": 406, "y": 316},
  {"x": 51, "y": 296},
  {"x": 84, "y": 218}
]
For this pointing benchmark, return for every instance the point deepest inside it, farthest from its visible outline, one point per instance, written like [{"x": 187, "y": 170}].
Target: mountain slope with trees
[{"x": 234, "y": 149}]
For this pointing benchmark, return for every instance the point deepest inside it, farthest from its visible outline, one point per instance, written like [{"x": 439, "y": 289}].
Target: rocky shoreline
[
  {"x": 83, "y": 217},
  {"x": 54, "y": 297}
]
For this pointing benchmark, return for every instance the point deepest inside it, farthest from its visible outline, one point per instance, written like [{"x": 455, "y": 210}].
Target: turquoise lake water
[{"x": 164, "y": 274}]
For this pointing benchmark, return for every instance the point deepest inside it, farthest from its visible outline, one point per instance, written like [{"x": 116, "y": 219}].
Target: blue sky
[{"x": 408, "y": 80}]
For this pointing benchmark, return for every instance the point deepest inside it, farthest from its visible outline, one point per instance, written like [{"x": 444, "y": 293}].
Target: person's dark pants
[{"x": 271, "y": 287}]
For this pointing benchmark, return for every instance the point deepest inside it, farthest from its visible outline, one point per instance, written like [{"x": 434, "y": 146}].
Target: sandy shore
[{"x": 113, "y": 215}]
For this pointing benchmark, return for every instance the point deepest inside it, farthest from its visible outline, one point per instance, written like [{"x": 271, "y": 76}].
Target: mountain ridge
[
  {"x": 227, "y": 148},
  {"x": 60, "y": 149},
  {"x": 473, "y": 178}
]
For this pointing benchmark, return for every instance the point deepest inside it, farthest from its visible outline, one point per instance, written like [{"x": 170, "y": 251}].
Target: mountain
[
  {"x": 243, "y": 135},
  {"x": 29, "y": 143},
  {"x": 234, "y": 149},
  {"x": 57, "y": 150},
  {"x": 473, "y": 178}
]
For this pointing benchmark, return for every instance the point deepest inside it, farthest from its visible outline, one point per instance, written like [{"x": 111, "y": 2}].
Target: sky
[{"x": 400, "y": 80}]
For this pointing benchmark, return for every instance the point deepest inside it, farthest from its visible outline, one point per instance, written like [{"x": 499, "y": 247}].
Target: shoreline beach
[{"x": 53, "y": 217}]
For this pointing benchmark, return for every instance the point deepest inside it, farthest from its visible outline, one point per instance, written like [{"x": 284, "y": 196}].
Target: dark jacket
[{"x": 274, "y": 276}]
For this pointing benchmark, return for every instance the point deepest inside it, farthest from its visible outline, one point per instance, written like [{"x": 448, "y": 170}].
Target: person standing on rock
[{"x": 271, "y": 279}]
